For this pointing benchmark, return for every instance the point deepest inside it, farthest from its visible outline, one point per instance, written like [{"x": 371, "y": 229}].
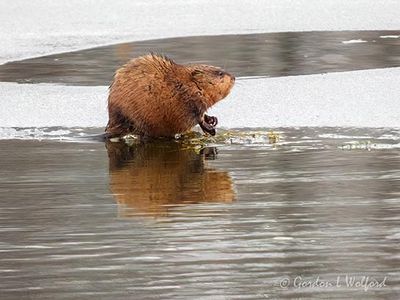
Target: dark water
[
  {"x": 232, "y": 221},
  {"x": 314, "y": 213},
  {"x": 267, "y": 54}
]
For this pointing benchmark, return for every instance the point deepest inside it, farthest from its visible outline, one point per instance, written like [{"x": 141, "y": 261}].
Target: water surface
[
  {"x": 90, "y": 220},
  {"x": 266, "y": 54}
]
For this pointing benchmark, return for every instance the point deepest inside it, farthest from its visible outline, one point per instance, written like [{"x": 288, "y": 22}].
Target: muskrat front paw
[
  {"x": 207, "y": 128},
  {"x": 211, "y": 120}
]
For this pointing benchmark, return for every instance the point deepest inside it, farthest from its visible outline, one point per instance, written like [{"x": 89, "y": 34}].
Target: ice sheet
[
  {"x": 359, "y": 98},
  {"x": 34, "y": 28}
]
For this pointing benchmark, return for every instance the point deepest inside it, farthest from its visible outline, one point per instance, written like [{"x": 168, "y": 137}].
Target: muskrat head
[{"x": 212, "y": 82}]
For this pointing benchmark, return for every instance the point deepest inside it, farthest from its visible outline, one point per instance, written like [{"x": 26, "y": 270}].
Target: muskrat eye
[
  {"x": 196, "y": 73},
  {"x": 220, "y": 73}
]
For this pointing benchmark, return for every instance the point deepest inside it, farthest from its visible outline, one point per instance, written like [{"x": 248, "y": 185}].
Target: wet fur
[{"x": 153, "y": 96}]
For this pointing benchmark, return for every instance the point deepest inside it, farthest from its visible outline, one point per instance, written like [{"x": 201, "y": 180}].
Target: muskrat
[{"x": 152, "y": 96}]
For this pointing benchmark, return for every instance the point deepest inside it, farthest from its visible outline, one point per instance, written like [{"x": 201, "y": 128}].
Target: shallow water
[
  {"x": 157, "y": 221},
  {"x": 266, "y": 54}
]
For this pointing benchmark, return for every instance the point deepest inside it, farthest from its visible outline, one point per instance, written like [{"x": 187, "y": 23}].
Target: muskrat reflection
[{"x": 151, "y": 178}]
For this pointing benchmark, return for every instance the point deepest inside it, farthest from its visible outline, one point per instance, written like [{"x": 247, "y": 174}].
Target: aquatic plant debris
[{"x": 197, "y": 140}]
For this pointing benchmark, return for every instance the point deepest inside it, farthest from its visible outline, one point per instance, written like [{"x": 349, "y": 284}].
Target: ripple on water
[{"x": 227, "y": 221}]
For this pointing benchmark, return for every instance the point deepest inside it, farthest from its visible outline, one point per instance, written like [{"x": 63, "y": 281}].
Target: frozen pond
[
  {"x": 349, "y": 92},
  {"x": 266, "y": 212}
]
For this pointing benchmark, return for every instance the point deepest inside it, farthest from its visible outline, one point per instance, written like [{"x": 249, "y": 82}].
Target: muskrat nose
[{"x": 233, "y": 78}]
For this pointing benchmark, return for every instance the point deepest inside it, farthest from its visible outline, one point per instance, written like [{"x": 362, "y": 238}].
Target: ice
[
  {"x": 44, "y": 105},
  {"x": 389, "y": 36},
  {"x": 33, "y": 133},
  {"x": 366, "y": 98},
  {"x": 35, "y": 28},
  {"x": 354, "y": 41}
]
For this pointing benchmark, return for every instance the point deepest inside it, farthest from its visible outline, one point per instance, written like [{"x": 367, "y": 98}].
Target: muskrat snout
[{"x": 229, "y": 77}]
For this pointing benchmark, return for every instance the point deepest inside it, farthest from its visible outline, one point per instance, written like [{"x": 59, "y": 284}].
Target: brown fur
[{"x": 154, "y": 96}]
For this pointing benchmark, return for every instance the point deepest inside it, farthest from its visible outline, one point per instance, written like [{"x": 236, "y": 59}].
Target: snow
[
  {"x": 43, "y": 105},
  {"x": 40, "y": 27},
  {"x": 360, "y": 98},
  {"x": 389, "y": 36},
  {"x": 33, "y": 28},
  {"x": 358, "y": 41}
]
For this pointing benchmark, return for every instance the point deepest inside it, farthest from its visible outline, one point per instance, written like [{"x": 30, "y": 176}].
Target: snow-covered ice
[
  {"x": 42, "y": 105},
  {"x": 34, "y": 28},
  {"x": 357, "y": 41},
  {"x": 389, "y": 36},
  {"x": 359, "y": 98}
]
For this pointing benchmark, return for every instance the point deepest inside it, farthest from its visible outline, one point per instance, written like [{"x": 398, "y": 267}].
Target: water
[
  {"x": 319, "y": 207},
  {"x": 267, "y": 54},
  {"x": 89, "y": 220}
]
